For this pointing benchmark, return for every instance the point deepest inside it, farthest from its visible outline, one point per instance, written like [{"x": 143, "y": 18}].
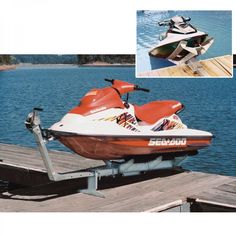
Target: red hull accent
[
  {"x": 153, "y": 111},
  {"x": 101, "y": 99},
  {"x": 107, "y": 148}
]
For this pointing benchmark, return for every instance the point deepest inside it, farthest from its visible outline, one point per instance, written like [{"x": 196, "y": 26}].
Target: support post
[
  {"x": 44, "y": 153},
  {"x": 92, "y": 185}
]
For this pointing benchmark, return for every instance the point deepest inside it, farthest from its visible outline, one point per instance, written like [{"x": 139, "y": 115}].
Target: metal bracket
[
  {"x": 92, "y": 177},
  {"x": 190, "y": 58},
  {"x": 52, "y": 174},
  {"x": 92, "y": 187}
]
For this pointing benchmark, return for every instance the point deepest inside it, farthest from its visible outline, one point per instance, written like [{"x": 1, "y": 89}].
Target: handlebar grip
[
  {"x": 164, "y": 23},
  {"x": 109, "y": 80},
  {"x": 141, "y": 89},
  {"x": 38, "y": 109},
  {"x": 144, "y": 89}
]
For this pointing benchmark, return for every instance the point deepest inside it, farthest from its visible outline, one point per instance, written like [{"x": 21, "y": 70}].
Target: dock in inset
[
  {"x": 214, "y": 67},
  {"x": 156, "y": 191}
]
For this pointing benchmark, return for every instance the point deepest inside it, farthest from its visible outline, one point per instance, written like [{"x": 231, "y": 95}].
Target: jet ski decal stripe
[
  {"x": 125, "y": 137},
  {"x": 125, "y": 120}
]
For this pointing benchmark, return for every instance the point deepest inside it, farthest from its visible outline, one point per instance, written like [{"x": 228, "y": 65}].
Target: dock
[
  {"x": 214, "y": 67},
  {"x": 175, "y": 190}
]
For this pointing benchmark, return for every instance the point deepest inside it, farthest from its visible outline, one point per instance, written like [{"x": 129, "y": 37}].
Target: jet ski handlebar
[
  {"x": 109, "y": 80},
  {"x": 170, "y": 22},
  {"x": 130, "y": 87},
  {"x": 164, "y": 23},
  {"x": 136, "y": 87}
]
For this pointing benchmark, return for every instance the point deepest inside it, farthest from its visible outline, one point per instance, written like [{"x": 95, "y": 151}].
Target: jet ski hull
[
  {"x": 165, "y": 49},
  {"x": 121, "y": 147}
]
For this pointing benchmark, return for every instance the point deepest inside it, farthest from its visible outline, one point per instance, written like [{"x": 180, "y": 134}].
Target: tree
[
  {"x": 112, "y": 59},
  {"x": 5, "y": 59}
]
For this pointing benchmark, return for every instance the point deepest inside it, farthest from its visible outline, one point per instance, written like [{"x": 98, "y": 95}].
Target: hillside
[
  {"x": 45, "y": 59},
  {"x": 111, "y": 59},
  {"x": 5, "y": 59},
  {"x": 67, "y": 59}
]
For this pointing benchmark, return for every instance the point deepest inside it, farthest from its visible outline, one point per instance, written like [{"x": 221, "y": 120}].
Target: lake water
[
  {"x": 210, "y": 106},
  {"x": 218, "y": 24}
]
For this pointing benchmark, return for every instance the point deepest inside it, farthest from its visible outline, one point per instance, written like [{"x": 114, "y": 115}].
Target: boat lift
[
  {"x": 111, "y": 168},
  {"x": 190, "y": 58}
]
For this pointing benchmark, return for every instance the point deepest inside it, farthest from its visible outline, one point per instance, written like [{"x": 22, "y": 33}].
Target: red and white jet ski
[{"x": 105, "y": 127}]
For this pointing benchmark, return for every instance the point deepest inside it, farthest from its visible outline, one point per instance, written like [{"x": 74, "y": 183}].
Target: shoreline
[
  {"x": 105, "y": 64},
  {"x": 7, "y": 67},
  {"x": 30, "y": 65}
]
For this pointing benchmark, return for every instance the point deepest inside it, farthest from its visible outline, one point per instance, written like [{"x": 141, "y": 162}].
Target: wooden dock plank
[
  {"x": 222, "y": 196},
  {"x": 166, "y": 207},
  {"x": 15, "y": 154},
  {"x": 151, "y": 192},
  {"x": 230, "y": 187},
  {"x": 226, "y": 62},
  {"x": 136, "y": 197},
  {"x": 25, "y": 165},
  {"x": 214, "y": 67},
  {"x": 217, "y": 197},
  {"x": 112, "y": 195}
]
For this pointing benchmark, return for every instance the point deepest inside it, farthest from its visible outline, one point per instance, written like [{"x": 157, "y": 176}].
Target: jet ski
[
  {"x": 105, "y": 127},
  {"x": 181, "y": 43}
]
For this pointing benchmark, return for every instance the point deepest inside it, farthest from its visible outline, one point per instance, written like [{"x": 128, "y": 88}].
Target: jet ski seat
[{"x": 152, "y": 112}]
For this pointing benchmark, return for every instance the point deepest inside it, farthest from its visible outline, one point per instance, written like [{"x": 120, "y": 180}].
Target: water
[
  {"x": 217, "y": 24},
  {"x": 210, "y": 106}
]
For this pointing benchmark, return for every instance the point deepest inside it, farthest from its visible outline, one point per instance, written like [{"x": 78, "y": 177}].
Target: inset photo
[{"x": 184, "y": 44}]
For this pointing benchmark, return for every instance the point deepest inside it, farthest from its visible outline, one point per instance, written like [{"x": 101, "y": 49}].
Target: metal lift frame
[{"x": 190, "y": 59}]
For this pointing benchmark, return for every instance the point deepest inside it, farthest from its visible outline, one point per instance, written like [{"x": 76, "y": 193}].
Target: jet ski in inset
[{"x": 181, "y": 43}]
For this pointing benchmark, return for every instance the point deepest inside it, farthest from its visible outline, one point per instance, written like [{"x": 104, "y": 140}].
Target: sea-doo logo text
[{"x": 167, "y": 142}]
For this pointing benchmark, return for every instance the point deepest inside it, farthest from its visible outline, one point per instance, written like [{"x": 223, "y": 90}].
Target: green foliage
[
  {"x": 46, "y": 59},
  {"x": 5, "y": 59},
  {"x": 66, "y": 59},
  {"x": 111, "y": 59}
]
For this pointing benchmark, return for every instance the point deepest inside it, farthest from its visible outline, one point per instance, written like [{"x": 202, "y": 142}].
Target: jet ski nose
[{"x": 57, "y": 125}]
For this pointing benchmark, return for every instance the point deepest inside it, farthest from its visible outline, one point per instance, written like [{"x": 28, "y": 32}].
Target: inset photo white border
[{"x": 189, "y": 44}]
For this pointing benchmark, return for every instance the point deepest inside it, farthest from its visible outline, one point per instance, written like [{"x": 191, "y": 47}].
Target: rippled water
[
  {"x": 210, "y": 106},
  {"x": 217, "y": 24}
]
